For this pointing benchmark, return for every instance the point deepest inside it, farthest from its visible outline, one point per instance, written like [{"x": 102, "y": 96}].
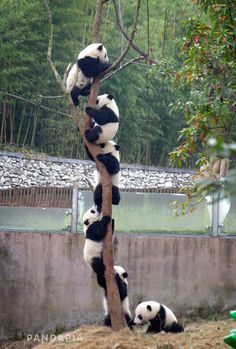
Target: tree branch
[
  {"x": 133, "y": 45},
  {"x": 34, "y": 103},
  {"x": 117, "y": 62},
  {"x": 122, "y": 67},
  {"x": 148, "y": 29}
]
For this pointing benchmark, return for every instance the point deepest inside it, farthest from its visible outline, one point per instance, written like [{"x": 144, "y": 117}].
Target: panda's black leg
[
  {"x": 97, "y": 197},
  {"x": 75, "y": 95},
  {"x": 128, "y": 320},
  {"x": 92, "y": 135},
  {"x": 88, "y": 152},
  {"x": 152, "y": 329},
  {"x": 107, "y": 320},
  {"x": 98, "y": 266},
  {"x": 175, "y": 328},
  {"x": 115, "y": 195},
  {"x": 86, "y": 90}
]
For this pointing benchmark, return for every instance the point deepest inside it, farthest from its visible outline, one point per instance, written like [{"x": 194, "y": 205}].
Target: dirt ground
[{"x": 200, "y": 335}]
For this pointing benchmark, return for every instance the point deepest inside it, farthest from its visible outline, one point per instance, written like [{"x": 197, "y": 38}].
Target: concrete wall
[{"x": 46, "y": 286}]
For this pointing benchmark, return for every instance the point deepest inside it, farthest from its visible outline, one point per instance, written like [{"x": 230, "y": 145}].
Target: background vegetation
[{"x": 155, "y": 101}]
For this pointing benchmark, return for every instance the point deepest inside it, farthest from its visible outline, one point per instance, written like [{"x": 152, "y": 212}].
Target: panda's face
[
  {"x": 102, "y": 53},
  {"x": 103, "y": 100},
  {"x": 91, "y": 216},
  {"x": 145, "y": 312},
  {"x": 95, "y": 50}
]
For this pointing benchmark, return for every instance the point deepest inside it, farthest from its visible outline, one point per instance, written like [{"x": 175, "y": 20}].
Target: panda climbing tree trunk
[{"x": 115, "y": 309}]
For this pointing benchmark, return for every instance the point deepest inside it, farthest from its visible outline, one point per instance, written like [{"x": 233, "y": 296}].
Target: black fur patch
[
  {"x": 175, "y": 328},
  {"x": 75, "y": 93},
  {"x": 91, "y": 67},
  {"x": 102, "y": 116},
  {"x": 115, "y": 195},
  {"x": 97, "y": 231},
  {"x": 158, "y": 322},
  {"x": 93, "y": 134},
  {"x": 111, "y": 163}
]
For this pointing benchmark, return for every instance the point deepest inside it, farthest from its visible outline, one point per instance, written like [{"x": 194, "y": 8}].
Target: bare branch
[
  {"x": 49, "y": 54},
  {"x": 133, "y": 45},
  {"x": 35, "y": 104},
  {"x": 148, "y": 29},
  {"x": 117, "y": 62},
  {"x": 121, "y": 21},
  {"x": 51, "y": 97},
  {"x": 97, "y": 21},
  {"x": 122, "y": 67}
]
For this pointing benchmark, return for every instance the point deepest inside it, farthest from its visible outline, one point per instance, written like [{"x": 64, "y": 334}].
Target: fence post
[
  {"x": 74, "y": 217},
  {"x": 215, "y": 214}
]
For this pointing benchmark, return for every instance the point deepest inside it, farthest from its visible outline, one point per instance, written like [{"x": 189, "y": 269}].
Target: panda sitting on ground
[
  {"x": 106, "y": 120},
  {"x": 95, "y": 231},
  {"x": 91, "y": 62},
  {"x": 158, "y": 315}
]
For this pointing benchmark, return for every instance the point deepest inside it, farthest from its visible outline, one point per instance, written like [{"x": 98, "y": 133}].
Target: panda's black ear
[
  {"x": 117, "y": 147},
  {"x": 125, "y": 275},
  {"x": 110, "y": 97},
  {"x": 100, "y": 47},
  {"x": 149, "y": 307},
  {"x": 86, "y": 222}
]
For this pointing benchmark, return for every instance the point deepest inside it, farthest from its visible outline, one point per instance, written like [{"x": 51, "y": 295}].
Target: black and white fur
[
  {"x": 91, "y": 62},
  {"x": 122, "y": 283},
  {"x": 110, "y": 157},
  {"x": 95, "y": 231},
  {"x": 106, "y": 120},
  {"x": 158, "y": 315},
  {"x": 78, "y": 84}
]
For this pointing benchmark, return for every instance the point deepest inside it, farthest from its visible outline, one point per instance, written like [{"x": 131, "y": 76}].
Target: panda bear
[
  {"x": 91, "y": 62},
  {"x": 78, "y": 84},
  {"x": 122, "y": 283},
  {"x": 110, "y": 157},
  {"x": 106, "y": 120},
  {"x": 158, "y": 315},
  {"x": 95, "y": 231}
]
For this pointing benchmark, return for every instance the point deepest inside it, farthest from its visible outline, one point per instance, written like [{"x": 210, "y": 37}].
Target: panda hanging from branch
[{"x": 90, "y": 63}]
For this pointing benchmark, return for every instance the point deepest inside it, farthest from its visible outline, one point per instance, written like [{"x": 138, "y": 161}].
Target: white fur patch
[
  {"x": 108, "y": 132},
  {"x": 92, "y": 249}
]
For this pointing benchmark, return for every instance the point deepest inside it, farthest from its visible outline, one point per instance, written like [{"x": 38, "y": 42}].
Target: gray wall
[{"x": 46, "y": 286}]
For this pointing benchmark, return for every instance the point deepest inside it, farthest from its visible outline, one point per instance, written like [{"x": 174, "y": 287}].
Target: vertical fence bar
[
  {"x": 74, "y": 217},
  {"x": 215, "y": 214}
]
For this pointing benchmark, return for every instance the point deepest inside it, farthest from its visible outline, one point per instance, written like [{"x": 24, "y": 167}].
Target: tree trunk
[{"x": 21, "y": 124}]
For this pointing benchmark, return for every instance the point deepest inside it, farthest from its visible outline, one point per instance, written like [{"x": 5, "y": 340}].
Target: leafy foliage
[{"x": 209, "y": 72}]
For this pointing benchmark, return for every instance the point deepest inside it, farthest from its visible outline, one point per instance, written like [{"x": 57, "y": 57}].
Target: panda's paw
[
  {"x": 88, "y": 110},
  {"x": 100, "y": 157},
  {"x": 106, "y": 219}
]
